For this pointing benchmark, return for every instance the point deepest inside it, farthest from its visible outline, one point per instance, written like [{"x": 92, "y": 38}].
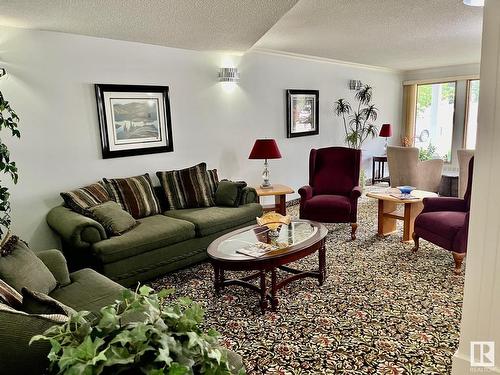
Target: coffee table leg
[
  {"x": 217, "y": 280},
  {"x": 263, "y": 291},
  {"x": 274, "y": 290},
  {"x": 322, "y": 264}
]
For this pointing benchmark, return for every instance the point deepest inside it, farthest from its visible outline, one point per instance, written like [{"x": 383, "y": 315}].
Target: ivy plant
[
  {"x": 8, "y": 120},
  {"x": 138, "y": 334},
  {"x": 359, "y": 122}
]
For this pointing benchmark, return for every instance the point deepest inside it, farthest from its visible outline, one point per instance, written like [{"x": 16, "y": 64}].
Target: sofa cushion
[
  {"x": 10, "y": 296},
  {"x": 113, "y": 218},
  {"x": 22, "y": 268},
  {"x": 152, "y": 232},
  {"x": 187, "y": 188},
  {"x": 88, "y": 196},
  {"x": 135, "y": 194},
  {"x": 89, "y": 291},
  {"x": 213, "y": 181},
  {"x": 40, "y": 303},
  {"x": 214, "y": 219},
  {"x": 228, "y": 193}
]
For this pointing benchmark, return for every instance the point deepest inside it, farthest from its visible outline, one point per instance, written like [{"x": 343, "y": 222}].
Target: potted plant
[
  {"x": 139, "y": 334},
  {"x": 8, "y": 120},
  {"x": 358, "y": 123}
]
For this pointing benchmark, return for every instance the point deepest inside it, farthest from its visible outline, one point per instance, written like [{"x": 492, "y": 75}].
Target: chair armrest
[
  {"x": 56, "y": 263},
  {"x": 434, "y": 204},
  {"x": 77, "y": 230},
  {"x": 355, "y": 192},
  {"x": 306, "y": 192},
  {"x": 248, "y": 195}
]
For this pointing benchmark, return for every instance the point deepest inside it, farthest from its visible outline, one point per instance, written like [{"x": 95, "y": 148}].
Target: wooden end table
[
  {"x": 296, "y": 240},
  {"x": 279, "y": 192},
  {"x": 378, "y": 166},
  {"x": 388, "y": 211}
]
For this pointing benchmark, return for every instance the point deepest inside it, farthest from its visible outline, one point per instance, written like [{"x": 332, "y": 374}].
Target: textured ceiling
[
  {"x": 229, "y": 25},
  {"x": 400, "y": 34}
]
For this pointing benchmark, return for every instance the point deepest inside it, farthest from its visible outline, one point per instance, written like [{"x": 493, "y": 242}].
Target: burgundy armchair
[
  {"x": 333, "y": 191},
  {"x": 445, "y": 222}
]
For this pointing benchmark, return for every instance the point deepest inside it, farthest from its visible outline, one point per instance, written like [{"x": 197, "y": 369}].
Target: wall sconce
[
  {"x": 355, "y": 84},
  {"x": 229, "y": 75},
  {"x": 2, "y": 72}
]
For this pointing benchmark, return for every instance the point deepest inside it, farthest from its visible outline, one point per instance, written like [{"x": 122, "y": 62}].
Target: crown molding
[{"x": 266, "y": 51}]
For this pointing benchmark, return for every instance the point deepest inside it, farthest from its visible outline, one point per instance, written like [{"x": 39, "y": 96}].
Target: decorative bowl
[
  {"x": 406, "y": 189},
  {"x": 273, "y": 221}
]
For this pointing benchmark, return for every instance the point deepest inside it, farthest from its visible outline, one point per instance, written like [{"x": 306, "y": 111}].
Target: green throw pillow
[
  {"x": 113, "y": 218},
  {"x": 22, "y": 268},
  {"x": 228, "y": 193},
  {"x": 39, "y": 303}
]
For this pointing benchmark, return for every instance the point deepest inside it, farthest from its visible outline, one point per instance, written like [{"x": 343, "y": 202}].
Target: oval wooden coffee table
[{"x": 295, "y": 241}]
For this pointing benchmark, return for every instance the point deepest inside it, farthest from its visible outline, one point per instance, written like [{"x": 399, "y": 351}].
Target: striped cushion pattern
[
  {"x": 213, "y": 181},
  {"x": 89, "y": 196},
  {"x": 187, "y": 188},
  {"x": 9, "y": 295},
  {"x": 134, "y": 194}
]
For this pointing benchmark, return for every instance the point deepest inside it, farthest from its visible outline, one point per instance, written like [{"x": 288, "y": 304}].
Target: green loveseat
[
  {"x": 159, "y": 244},
  {"x": 84, "y": 289}
]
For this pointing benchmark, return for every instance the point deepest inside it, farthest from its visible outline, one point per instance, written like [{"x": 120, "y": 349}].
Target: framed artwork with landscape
[
  {"x": 134, "y": 120},
  {"x": 302, "y": 113}
]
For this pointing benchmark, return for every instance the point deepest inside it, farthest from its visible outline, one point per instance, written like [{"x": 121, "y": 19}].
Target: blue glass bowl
[{"x": 406, "y": 189}]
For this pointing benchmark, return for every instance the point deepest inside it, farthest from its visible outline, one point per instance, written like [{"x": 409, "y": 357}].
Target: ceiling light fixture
[
  {"x": 229, "y": 75},
  {"x": 474, "y": 3}
]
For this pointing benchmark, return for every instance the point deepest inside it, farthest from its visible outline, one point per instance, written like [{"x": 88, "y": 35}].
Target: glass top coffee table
[{"x": 255, "y": 248}]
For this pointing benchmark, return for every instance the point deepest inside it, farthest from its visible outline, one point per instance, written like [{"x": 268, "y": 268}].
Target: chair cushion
[
  {"x": 22, "y": 268},
  {"x": 440, "y": 227},
  {"x": 327, "y": 208},
  {"x": 135, "y": 194},
  {"x": 187, "y": 188},
  {"x": 215, "y": 219},
  {"x": 89, "y": 291},
  {"x": 152, "y": 232}
]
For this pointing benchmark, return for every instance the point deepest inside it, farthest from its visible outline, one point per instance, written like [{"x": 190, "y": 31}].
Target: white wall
[{"x": 50, "y": 84}]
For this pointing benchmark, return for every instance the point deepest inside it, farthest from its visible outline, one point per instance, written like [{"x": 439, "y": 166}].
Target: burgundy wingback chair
[
  {"x": 445, "y": 222},
  {"x": 333, "y": 191}
]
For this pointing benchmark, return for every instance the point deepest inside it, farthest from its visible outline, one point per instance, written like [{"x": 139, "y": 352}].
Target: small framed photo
[
  {"x": 134, "y": 120},
  {"x": 302, "y": 113}
]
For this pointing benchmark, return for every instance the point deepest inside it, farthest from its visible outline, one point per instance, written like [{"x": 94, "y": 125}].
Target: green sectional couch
[{"x": 159, "y": 244}]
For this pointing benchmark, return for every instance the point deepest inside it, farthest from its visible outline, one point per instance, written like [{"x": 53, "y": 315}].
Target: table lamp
[
  {"x": 265, "y": 149},
  {"x": 385, "y": 131}
]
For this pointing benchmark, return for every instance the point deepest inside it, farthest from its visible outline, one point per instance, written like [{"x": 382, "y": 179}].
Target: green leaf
[{"x": 145, "y": 290}]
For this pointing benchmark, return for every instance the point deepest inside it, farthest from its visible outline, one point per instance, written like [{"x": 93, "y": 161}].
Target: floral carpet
[{"x": 382, "y": 309}]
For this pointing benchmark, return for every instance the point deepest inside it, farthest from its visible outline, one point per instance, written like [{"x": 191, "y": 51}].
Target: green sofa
[
  {"x": 84, "y": 289},
  {"x": 160, "y": 244}
]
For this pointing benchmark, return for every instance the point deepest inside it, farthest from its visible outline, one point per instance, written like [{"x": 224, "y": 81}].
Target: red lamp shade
[
  {"x": 265, "y": 149},
  {"x": 386, "y": 131}
]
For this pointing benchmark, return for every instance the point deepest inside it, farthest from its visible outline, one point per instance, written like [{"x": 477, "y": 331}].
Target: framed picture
[
  {"x": 302, "y": 113},
  {"x": 134, "y": 120}
]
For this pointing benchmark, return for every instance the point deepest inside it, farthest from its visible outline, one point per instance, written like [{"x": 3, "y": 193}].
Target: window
[
  {"x": 471, "y": 115},
  {"x": 434, "y": 120}
]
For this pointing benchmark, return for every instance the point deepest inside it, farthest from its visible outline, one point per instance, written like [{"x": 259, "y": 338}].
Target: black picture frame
[
  {"x": 292, "y": 123},
  {"x": 160, "y": 137}
]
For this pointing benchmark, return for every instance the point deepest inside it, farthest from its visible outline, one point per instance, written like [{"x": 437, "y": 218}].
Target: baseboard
[{"x": 461, "y": 366}]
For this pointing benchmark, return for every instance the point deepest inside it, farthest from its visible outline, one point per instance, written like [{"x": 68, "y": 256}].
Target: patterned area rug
[{"x": 382, "y": 310}]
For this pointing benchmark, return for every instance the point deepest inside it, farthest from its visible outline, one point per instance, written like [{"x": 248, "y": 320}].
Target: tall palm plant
[
  {"x": 8, "y": 120},
  {"x": 358, "y": 124}
]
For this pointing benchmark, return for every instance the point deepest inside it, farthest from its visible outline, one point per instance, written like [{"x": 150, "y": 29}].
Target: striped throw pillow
[
  {"x": 187, "y": 188},
  {"x": 135, "y": 195},
  {"x": 213, "y": 181},
  {"x": 81, "y": 199}
]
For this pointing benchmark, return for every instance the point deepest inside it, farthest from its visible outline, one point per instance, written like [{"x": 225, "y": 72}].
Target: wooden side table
[
  {"x": 378, "y": 173},
  {"x": 279, "y": 192}
]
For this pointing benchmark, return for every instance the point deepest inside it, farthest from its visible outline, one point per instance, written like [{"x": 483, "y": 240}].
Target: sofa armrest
[
  {"x": 56, "y": 263},
  {"x": 355, "y": 192},
  {"x": 306, "y": 193},
  {"x": 248, "y": 195},
  {"x": 77, "y": 230},
  {"x": 433, "y": 204}
]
